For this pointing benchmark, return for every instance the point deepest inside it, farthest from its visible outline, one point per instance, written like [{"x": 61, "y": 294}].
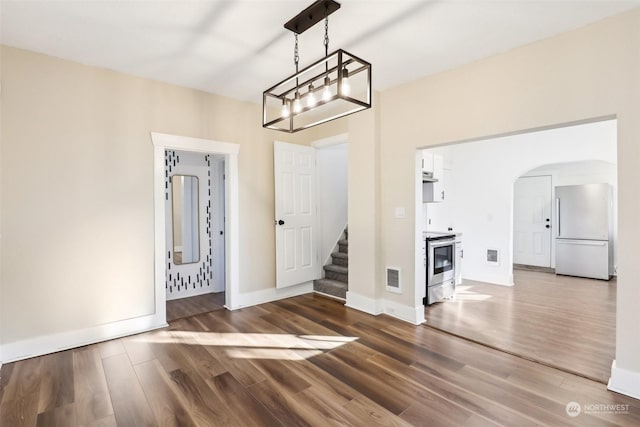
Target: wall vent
[
  {"x": 393, "y": 280},
  {"x": 493, "y": 256}
]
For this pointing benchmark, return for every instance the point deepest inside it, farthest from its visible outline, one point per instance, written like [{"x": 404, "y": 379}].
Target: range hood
[{"x": 428, "y": 177}]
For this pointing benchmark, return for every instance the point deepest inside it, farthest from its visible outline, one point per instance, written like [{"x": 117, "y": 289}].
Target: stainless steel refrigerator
[{"x": 584, "y": 229}]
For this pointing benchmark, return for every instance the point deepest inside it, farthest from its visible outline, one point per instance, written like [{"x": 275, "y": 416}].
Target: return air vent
[
  {"x": 493, "y": 256},
  {"x": 393, "y": 280}
]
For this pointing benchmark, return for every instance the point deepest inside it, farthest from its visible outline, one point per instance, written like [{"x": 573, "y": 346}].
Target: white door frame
[{"x": 162, "y": 142}]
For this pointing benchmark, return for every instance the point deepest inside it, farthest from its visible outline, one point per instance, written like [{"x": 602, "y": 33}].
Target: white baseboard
[
  {"x": 624, "y": 381},
  {"x": 262, "y": 296},
  {"x": 413, "y": 315},
  {"x": 363, "y": 303},
  {"x": 46, "y": 344}
]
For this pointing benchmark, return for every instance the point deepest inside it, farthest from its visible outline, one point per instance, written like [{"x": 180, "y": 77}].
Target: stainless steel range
[{"x": 440, "y": 259}]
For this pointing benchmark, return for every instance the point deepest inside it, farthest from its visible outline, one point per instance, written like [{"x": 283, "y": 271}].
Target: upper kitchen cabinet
[
  {"x": 427, "y": 162},
  {"x": 432, "y": 181}
]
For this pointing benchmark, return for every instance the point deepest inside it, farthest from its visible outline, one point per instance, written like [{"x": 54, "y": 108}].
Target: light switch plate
[{"x": 400, "y": 213}]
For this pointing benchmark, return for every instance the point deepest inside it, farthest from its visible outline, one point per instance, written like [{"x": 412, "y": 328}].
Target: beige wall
[
  {"x": 77, "y": 173},
  {"x": 587, "y": 73},
  {"x": 363, "y": 203}
]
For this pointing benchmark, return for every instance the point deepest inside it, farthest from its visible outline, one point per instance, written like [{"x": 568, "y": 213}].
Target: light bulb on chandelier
[
  {"x": 297, "y": 106},
  {"x": 326, "y": 92},
  {"x": 346, "y": 87},
  {"x": 311, "y": 97},
  {"x": 285, "y": 108}
]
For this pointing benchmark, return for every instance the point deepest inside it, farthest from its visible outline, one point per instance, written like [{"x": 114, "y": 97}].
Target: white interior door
[
  {"x": 296, "y": 214},
  {"x": 532, "y": 221}
]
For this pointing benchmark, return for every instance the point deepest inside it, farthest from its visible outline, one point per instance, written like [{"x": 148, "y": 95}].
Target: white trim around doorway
[{"x": 162, "y": 142}]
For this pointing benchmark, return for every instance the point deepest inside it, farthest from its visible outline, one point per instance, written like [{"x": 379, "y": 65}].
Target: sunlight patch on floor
[
  {"x": 253, "y": 345},
  {"x": 465, "y": 293}
]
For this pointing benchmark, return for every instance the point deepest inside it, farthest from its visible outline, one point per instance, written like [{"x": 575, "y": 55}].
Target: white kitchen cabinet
[
  {"x": 427, "y": 162},
  {"x": 433, "y": 191}
]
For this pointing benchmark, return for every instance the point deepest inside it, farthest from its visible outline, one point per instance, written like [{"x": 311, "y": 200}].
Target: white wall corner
[
  {"x": 46, "y": 344},
  {"x": 247, "y": 299},
  {"x": 624, "y": 381},
  {"x": 363, "y": 303},
  {"x": 413, "y": 315}
]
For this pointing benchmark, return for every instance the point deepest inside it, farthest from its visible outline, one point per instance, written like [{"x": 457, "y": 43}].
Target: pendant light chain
[
  {"x": 326, "y": 35},
  {"x": 296, "y": 56}
]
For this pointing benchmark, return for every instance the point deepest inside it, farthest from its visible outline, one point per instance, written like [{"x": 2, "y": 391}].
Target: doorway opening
[
  {"x": 332, "y": 157},
  {"x": 194, "y": 199},
  {"x": 544, "y": 313},
  {"x": 536, "y": 209},
  {"x": 196, "y": 223}
]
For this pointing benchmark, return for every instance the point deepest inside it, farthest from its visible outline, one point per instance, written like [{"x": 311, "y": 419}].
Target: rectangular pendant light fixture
[{"x": 334, "y": 86}]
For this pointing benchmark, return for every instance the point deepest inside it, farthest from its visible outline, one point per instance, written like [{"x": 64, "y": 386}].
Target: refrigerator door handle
[
  {"x": 558, "y": 217},
  {"x": 581, "y": 242}
]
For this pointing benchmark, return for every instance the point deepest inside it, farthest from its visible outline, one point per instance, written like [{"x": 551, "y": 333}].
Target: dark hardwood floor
[
  {"x": 185, "y": 307},
  {"x": 564, "y": 322},
  {"x": 306, "y": 360}
]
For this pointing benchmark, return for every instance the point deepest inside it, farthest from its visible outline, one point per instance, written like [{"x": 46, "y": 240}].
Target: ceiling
[{"x": 240, "y": 48}]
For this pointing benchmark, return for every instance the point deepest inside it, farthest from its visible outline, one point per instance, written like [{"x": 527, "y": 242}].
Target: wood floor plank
[
  {"x": 5, "y": 376},
  {"x": 284, "y": 408},
  {"x": 138, "y": 349},
  {"x": 92, "y": 398},
  {"x": 372, "y": 387},
  {"x": 57, "y": 387},
  {"x": 130, "y": 405},
  {"x": 168, "y": 409},
  {"x": 19, "y": 405},
  {"x": 204, "y": 405},
  {"x": 437, "y": 412},
  {"x": 19, "y": 411},
  {"x": 245, "y": 408},
  {"x": 109, "y": 421},
  {"x": 60, "y": 416},
  {"x": 110, "y": 348},
  {"x": 372, "y": 414}
]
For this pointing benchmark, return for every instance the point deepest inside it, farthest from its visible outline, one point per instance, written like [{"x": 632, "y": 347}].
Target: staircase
[{"x": 336, "y": 274}]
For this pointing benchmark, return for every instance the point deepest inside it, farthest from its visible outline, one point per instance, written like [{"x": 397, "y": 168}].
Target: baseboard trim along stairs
[{"x": 336, "y": 275}]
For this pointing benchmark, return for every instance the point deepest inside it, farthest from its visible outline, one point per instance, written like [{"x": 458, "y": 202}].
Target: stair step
[
  {"x": 340, "y": 258},
  {"x": 331, "y": 287},
  {"x": 337, "y": 272},
  {"x": 343, "y": 246}
]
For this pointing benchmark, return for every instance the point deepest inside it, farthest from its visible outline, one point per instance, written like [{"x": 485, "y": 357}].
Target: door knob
[
  {"x": 280, "y": 222},
  {"x": 547, "y": 226}
]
